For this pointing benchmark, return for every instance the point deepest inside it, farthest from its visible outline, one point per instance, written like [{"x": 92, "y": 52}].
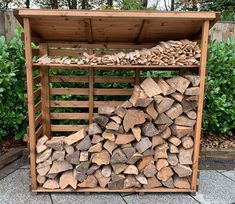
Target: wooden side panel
[
  {"x": 202, "y": 72},
  {"x": 31, "y": 113},
  {"x": 45, "y": 93}
]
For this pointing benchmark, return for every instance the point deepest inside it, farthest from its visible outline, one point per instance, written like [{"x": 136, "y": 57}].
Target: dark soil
[{"x": 215, "y": 141}]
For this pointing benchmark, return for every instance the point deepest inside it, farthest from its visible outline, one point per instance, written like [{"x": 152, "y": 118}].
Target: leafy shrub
[
  {"x": 219, "y": 110},
  {"x": 12, "y": 92}
]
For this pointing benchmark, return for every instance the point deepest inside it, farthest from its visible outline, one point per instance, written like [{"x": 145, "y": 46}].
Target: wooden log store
[{"x": 146, "y": 134}]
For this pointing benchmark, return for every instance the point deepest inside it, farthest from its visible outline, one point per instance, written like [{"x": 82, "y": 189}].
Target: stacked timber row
[
  {"x": 183, "y": 52},
  {"x": 147, "y": 142}
]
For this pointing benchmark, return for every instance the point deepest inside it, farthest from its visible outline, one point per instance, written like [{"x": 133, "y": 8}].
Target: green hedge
[
  {"x": 12, "y": 92},
  {"x": 219, "y": 110}
]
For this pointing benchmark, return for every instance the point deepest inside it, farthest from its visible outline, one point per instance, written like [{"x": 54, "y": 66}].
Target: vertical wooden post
[
  {"x": 45, "y": 93},
  {"x": 202, "y": 72},
  {"x": 137, "y": 76},
  {"x": 91, "y": 91},
  {"x": 31, "y": 113}
]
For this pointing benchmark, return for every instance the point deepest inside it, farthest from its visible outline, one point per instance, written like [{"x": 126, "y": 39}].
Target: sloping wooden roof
[{"x": 114, "y": 26}]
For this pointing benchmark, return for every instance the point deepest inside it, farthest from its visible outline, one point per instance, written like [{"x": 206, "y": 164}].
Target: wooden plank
[
  {"x": 88, "y": 25},
  {"x": 66, "y": 128},
  {"x": 85, "y": 91},
  {"x": 97, "y": 79},
  {"x": 69, "y": 91},
  {"x": 69, "y": 116},
  {"x": 29, "y": 75},
  {"x": 66, "y": 66},
  {"x": 42, "y": 13},
  {"x": 45, "y": 93},
  {"x": 37, "y": 107},
  {"x": 143, "y": 30},
  {"x": 39, "y": 132},
  {"x": 69, "y": 104},
  {"x": 91, "y": 94},
  {"x": 37, "y": 79},
  {"x": 38, "y": 120},
  {"x": 106, "y": 45},
  {"x": 83, "y": 104},
  {"x": 204, "y": 45},
  {"x": 112, "y": 92},
  {"x": 137, "y": 76},
  {"x": 36, "y": 93},
  {"x": 99, "y": 190}
]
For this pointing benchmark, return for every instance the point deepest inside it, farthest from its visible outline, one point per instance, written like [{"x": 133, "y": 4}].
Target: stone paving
[{"x": 216, "y": 187}]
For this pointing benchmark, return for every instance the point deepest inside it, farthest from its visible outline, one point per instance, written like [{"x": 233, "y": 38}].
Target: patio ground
[{"x": 216, "y": 187}]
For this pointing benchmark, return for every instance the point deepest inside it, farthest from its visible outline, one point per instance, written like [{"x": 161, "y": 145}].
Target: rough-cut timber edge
[
  {"x": 26, "y": 17},
  {"x": 104, "y": 190}
]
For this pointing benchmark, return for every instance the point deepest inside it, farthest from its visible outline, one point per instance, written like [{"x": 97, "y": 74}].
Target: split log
[
  {"x": 71, "y": 139},
  {"x": 179, "y": 83},
  {"x": 187, "y": 142},
  {"x": 150, "y": 87},
  {"x": 166, "y": 89}
]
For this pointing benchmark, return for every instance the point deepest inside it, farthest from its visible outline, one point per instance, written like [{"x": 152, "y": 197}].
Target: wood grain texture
[
  {"x": 202, "y": 72},
  {"x": 45, "y": 92},
  {"x": 30, "y": 93}
]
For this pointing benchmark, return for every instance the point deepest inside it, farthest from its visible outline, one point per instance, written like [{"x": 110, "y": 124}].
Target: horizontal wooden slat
[
  {"x": 66, "y": 128},
  {"x": 72, "y": 79},
  {"x": 69, "y": 91},
  {"x": 113, "y": 92},
  {"x": 107, "y": 103},
  {"x": 69, "y": 116},
  {"x": 69, "y": 104},
  {"x": 97, "y": 92},
  {"x": 65, "y": 52},
  {"x": 83, "y": 104},
  {"x": 109, "y": 67},
  {"x": 97, "y": 79},
  {"x": 97, "y": 189},
  {"x": 38, "y": 120}
]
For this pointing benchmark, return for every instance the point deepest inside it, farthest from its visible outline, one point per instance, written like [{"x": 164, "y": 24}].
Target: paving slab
[
  {"x": 214, "y": 188},
  {"x": 160, "y": 198},
  {"x": 230, "y": 174},
  {"x": 14, "y": 189},
  {"x": 81, "y": 198}
]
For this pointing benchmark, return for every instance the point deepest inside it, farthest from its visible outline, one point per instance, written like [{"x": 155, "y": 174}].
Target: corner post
[
  {"x": 45, "y": 93},
  {"x": 31, "y": 113},
  {"x": 202, "y": 73}
]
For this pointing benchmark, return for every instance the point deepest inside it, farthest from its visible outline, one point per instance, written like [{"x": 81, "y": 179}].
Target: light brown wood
[
  {"x": 57, "y": 31},
  {"x": 100, "y": 190},
  {"x": 69, "y": 116},
  {"x": 97, "y": 79},
  {"x": 204, "y": 45},
  {"x": 75, "y": 66},
  {"x": 45, "y": 93},
  {"x": 31, "y": 113},
  {"x": 85, "y": 91},
  {"x": 84, "y": 104},
  {"x": 37, "y": 93},
  {"x": 91, "y": 86},
  {"x": 38, "y": 120},
  {"x": 66, "y": 128},
  {"x": 37, "y": 107}
]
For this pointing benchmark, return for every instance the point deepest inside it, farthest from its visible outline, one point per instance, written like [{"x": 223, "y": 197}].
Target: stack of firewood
[
  {"x": 183, "y": 52},
  {"x": 147, "y": 142}
]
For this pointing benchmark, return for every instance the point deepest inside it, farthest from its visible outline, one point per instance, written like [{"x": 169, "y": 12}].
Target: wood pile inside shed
[
  {"x": 183, "y": 52},
  {"x": 147, "y": 142}
]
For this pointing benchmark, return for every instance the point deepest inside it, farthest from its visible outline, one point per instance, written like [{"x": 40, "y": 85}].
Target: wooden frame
[{"x": 39, "y": 113}]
